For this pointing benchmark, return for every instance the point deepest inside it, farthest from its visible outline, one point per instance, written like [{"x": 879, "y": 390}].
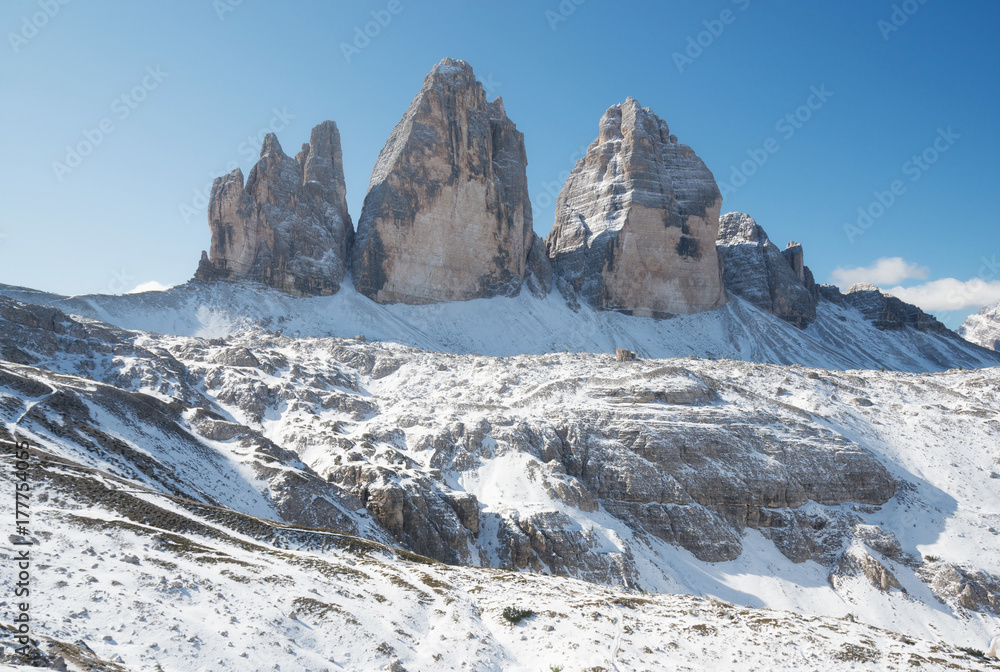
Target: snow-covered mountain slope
[
  {"x": 983, "y": 328},
  {"x": 828, "y": 493},
  {"x": 207, "y": 589},
  {"x": 839, "y": 339}
]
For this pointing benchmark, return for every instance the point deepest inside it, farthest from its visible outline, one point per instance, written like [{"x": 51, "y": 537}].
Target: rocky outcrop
[
  {"x": 447, "y": 215},
  {"x": 288, "y": 226},
  {"x": 887, "y": 312},
  {"x": 858, "y": 561},
  {"x": 539, "y": 273},
  {"x": 966, "y": 587},
  {"x": 983, "y": 328},
  {"x": 637, "y": 219},
  {"x": 872, "y": 554},
  {"x": 757, "y": 271}
]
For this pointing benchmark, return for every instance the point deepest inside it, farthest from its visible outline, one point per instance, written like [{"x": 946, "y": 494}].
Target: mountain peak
[
  {"x": 637, "y": 221},
  {"x": 447, "y": 215}
]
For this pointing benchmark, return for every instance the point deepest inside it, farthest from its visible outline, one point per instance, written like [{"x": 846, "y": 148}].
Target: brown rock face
[
  {"x": 637, "y": 219},
  {"x": 447, "y": 215},
  {"x": 288, "y": 227}
]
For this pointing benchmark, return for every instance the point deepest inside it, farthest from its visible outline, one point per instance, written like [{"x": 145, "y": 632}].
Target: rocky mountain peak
[
  {"x": 271, "y": 146},
  {"x": 288, "y": 226},
  {"x": 983, "y": 328},
  {"x": 796, "y": 258},
  {"x": 776, "y": 281},
  {"x": 451, "y": 70},
  {"x": 738, "y": 227},
  {"x": 447, "y": 215},
  {"x": 862, "y": 287},
  {"x": 637, "y": 219}
]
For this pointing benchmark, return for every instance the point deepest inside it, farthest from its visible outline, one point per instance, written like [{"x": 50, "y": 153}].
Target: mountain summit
[
  {"x": 637, "y": 221},
  {"x": 983, "y": 328},
  {"x": 288, "y": 227},
  {"x": 447, "y": 215}
]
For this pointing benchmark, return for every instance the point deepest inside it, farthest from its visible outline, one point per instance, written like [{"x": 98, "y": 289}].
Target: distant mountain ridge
[
  {"x": 841, "y": 337},
  {"x": 983, "y": 328}
]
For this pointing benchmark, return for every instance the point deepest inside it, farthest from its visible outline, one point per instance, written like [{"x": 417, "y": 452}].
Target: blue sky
[{"x": 895, "y": 77}]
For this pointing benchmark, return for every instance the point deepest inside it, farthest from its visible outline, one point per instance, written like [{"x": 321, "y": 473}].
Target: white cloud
[
  {"x": 885, "y": 271},
  {"x": 151, "y": 286},
  {"x": 950, "y": 294}
]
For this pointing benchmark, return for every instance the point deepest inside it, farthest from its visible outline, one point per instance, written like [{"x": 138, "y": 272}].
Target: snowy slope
[
  {"x": 203, "y": 593},
  {"x": 253, "y": 421},
  {"x": 867, "y": 496},
  {"x": 840, "y": 338}
]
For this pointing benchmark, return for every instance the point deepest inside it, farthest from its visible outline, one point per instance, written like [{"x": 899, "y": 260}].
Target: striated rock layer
[
  {"x": 288, "y": 227},
  {"x": 636, "y": 221},
  {"x": 756, "y": 270},
  {"x": 885, "y": 311},
  {"x": 447, "y": 215}
]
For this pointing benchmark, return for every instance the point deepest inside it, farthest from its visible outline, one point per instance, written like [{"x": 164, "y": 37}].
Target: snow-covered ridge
[
  {"x": 983, "y": 328},
  {"x": 839, "y": 339}
]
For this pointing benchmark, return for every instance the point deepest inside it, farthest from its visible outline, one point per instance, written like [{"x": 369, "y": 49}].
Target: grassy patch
[
  {"x": 233, "y": 576},
  {"x": 322, "y": 610},
  {"x": 975, "y": 653},
  {"x": 704, "y": 630},
  {"x": 424, "y": 598},
  {"x": 437, "y": 585},
  {"x": 852, "y": 653},
  {"x": 169, "y": 566}
]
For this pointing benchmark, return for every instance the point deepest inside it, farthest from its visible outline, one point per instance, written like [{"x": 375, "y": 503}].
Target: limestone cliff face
[
  {"x": 757, "y": 271},
  {"x": 637, "y": 219},
  {"x": 288, "y": 227},
  {"x": 447, "y": 215}
]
